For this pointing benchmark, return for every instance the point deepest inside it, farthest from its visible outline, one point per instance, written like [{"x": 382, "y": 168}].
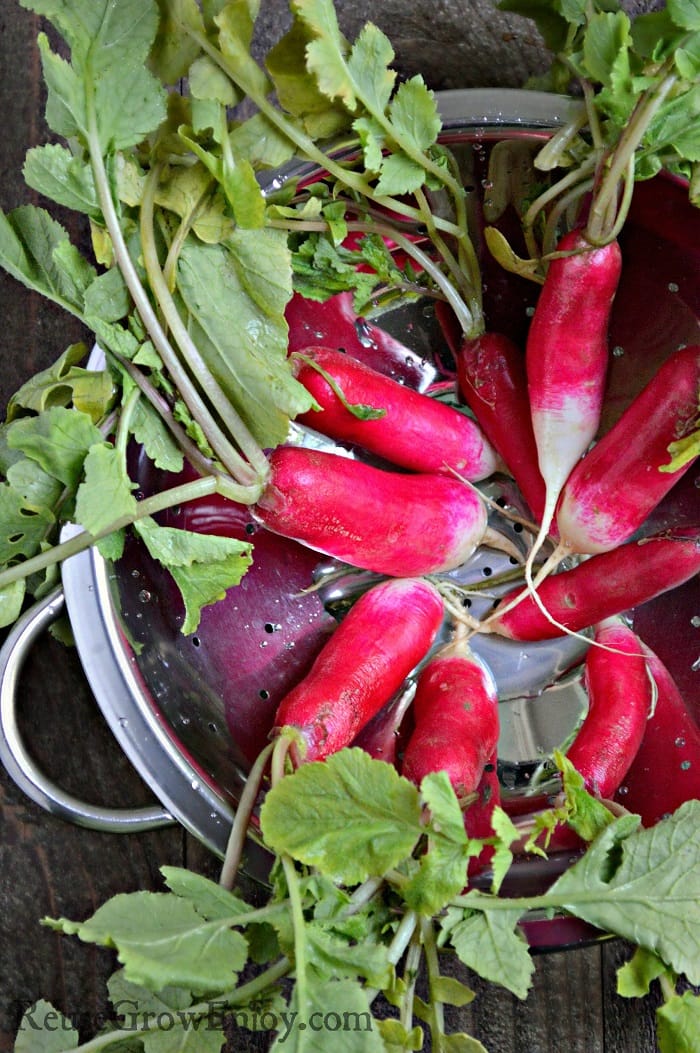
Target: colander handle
[{"x": 18, "y": 762}]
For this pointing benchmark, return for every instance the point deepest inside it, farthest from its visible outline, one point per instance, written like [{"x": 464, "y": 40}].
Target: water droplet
[
  {"x": 195, "y": 784},
  {"x": 184, "y": 721},
  {"x": 680, "y": 741},
  {"x": 685, "y": 765},
  {"x": 673, "y": 286},
  {"x": 529, "y": 311},
  {"x": 696, "y": 665},
  {"x": 264, "y": 643},
  {"x": 144, "y": 596},
  {"x": 135, "y": 574},
  {"x": 695, "y": 621},
  {"x": 623, "y": 791},
  {"x": 364, "y": 333},
  {"x": 123, "y": 722},
  {"x": 697, "y": 482},
  {"x": 618, "y": 351}
]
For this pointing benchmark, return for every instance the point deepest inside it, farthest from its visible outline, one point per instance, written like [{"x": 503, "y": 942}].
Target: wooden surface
[{"x": 49, "y": 867}]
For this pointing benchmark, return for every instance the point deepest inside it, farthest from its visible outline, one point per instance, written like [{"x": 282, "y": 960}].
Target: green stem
[
  {"x": 143, "y": 305},
  {"x": 410, "y": 972},
  {"x": 468, "y": 281},
  {"x": 241, "y": 471},
  {"x": 125, "y": 418},
  {"x": 305, "y": 144},
  {"x": 150, "y": 506},
  {"x": 244, "y": 811},
  {"x": 644, "y": 112},
  {"x": 299, "y": 926},
  {"x": 437, "y": 1013}
]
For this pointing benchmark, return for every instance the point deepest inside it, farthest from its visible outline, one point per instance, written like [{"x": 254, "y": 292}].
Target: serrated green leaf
[
  {"x": 106, "y": 492},
  {"x": 678, "y": 1024},
  {"x": 367, "y": 65},
  {"x": 446, "y": 818},
  {"x": 296, "y": 88},
  {"x": 399, "y": 174},
  {"x": 236, "y": 23},
  {"x": 147, "y": 427},
  {"x": 606, "y": 44},
  {"x": 55, "y": 172},
  {"x": 370, "y": 820},
  {"x": 174, "y": 50},
  {"x": 397, "y": 1039},
  {"x": 24, "y": 528},
  {"x": 163, "y": 942},
  {"x": 109, "y": 45},
  {"x": 643, "y": 885},
  {"x": 36, "y": 250},
  {"x": 207, "y": 81},
  {"x": 634, "y": 978},
  {"x": 203, "y": 566},
  {"x": 414, "y": 113},
  {"x": 135, "y": 1004},
  {"x": 44, "y": 1029},
  {"x": 39, "y": 491},
  {"x": 489, "y": 944},
  {"x": 326, "y": 55},
  {"x": 312, "y": 1028},
  {"x": 685, "y": 13},
  {"x": 332, "y": 957},
  {"x": 236, "y": 297},
  {"x": 208, "y": 898},
  {"x": 586, "y": 815},
  {"x": 107, "y": 297},
  {"x": 90, "y": 390},
  {"x": 260, "y": 142},
  {"x": 58, "y": 439}
]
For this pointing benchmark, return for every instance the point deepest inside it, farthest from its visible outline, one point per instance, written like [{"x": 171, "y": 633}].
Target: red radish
[
  {"x": 620, "y": 701},
  {"x": 600, "y": 587},
  {"x": 493, "y": 383},
  {"x": 387, "y": 632},
  {"x": 618, "y": 483},
  {"x": 567, "y": 358},
  {"x": 456, "y": 719},
  {"x": 666, "y": 769},
  {"x": 389, "y": 522},
  {"x": 414, "y": 431},
  {"x": 478, "y": 816}
]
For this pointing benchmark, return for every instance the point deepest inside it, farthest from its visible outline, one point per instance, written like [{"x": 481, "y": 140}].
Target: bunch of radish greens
[{"x": 191, "y": 292}]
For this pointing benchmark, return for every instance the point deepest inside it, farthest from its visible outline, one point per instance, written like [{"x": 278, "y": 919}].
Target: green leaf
[
  {"x": 367, "y": 65},
  {"x": 397, "y": 1039},
  {"x": 44, "y": 1029},
  {"x": 135, "y": 1004},
  {"x": 11, "y": 601},
  {"x": 369, "y": 820},
  {"x": 207, "y": 81},
  {"x": 458, "y": 1042},
  {"x": 162, "y": 941},
  {"x": 635, "y": 977},
  {"x": 296, "y": 88},
  {"x": 107, "y": 297},
  {"x": 678, "y": 1024},
  {"x": 207, "y": 897},
  {"x": 203, "y": 566},
  {"x": 332, "y": 957},
  {"x": 24, "y": 529},
  {"x": 174, "y": 50},
  {"x": 326, "y": 55},
  {"x": 55, "y": 172},
  {"x": 236, "y": 295},
  {"x": 337, "y": 1016},
  {"x": 682, "y": 452},
  {"x": 58, "y": 439},
  {"x": 36, "y": 250},
  {"x": 586, "y": 815},
  {"x": 106, "y": 493},
  {"x": 147, "y": 427},
  {"x": 489, "y": 944},
  {"x": 414, "y": 113},
  {"x": 39, "y": 491},
  {"x": 685, "y": 13},
  {"x": 399, "y": 174},
  {"x": 449, "y": 991},
  {"x": 235, "y": 23},
  {"x": 65, "y": 382},
  {"x": 643, "y": 886},
  {"x": 109, "y": 45}
]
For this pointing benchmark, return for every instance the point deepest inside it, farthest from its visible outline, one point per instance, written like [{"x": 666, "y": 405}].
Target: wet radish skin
[
  {"x": 416, "y": 432},
  {"x": 390, "y": 522},
  {"x": 386, "y": 634}
]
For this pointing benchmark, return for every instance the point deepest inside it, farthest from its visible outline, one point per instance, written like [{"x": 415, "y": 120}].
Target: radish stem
[{"x": 244, "y": 812}]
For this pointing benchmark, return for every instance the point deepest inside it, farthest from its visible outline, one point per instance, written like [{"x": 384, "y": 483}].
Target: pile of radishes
[{"x": 406, "y": 507}]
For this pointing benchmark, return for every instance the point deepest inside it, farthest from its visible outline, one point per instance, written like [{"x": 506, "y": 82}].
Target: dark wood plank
[{"x": 48, "y": 867}]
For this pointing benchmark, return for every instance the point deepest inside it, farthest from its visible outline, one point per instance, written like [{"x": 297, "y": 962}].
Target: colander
[{"x": 191, "y": 712}]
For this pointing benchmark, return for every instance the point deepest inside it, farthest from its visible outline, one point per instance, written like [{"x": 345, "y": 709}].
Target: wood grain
[{"x": 48, "y": 867}]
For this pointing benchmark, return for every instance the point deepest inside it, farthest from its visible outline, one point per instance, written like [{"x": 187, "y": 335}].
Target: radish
[
  {"x": 620, "y": 701},
  {"x": 600, "y": 587},
  {"x": 566, "y": 362},
  {"x": 387, "y": 632},
  {"x": 493, "y": 383},
  {"x": 666, "y": 769},
  {"x": 620, "y": 481},
  {"x": 456, "y": 719},
  {"x": 389, "y": 522},
  {"x": 409, "y": 429}
]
